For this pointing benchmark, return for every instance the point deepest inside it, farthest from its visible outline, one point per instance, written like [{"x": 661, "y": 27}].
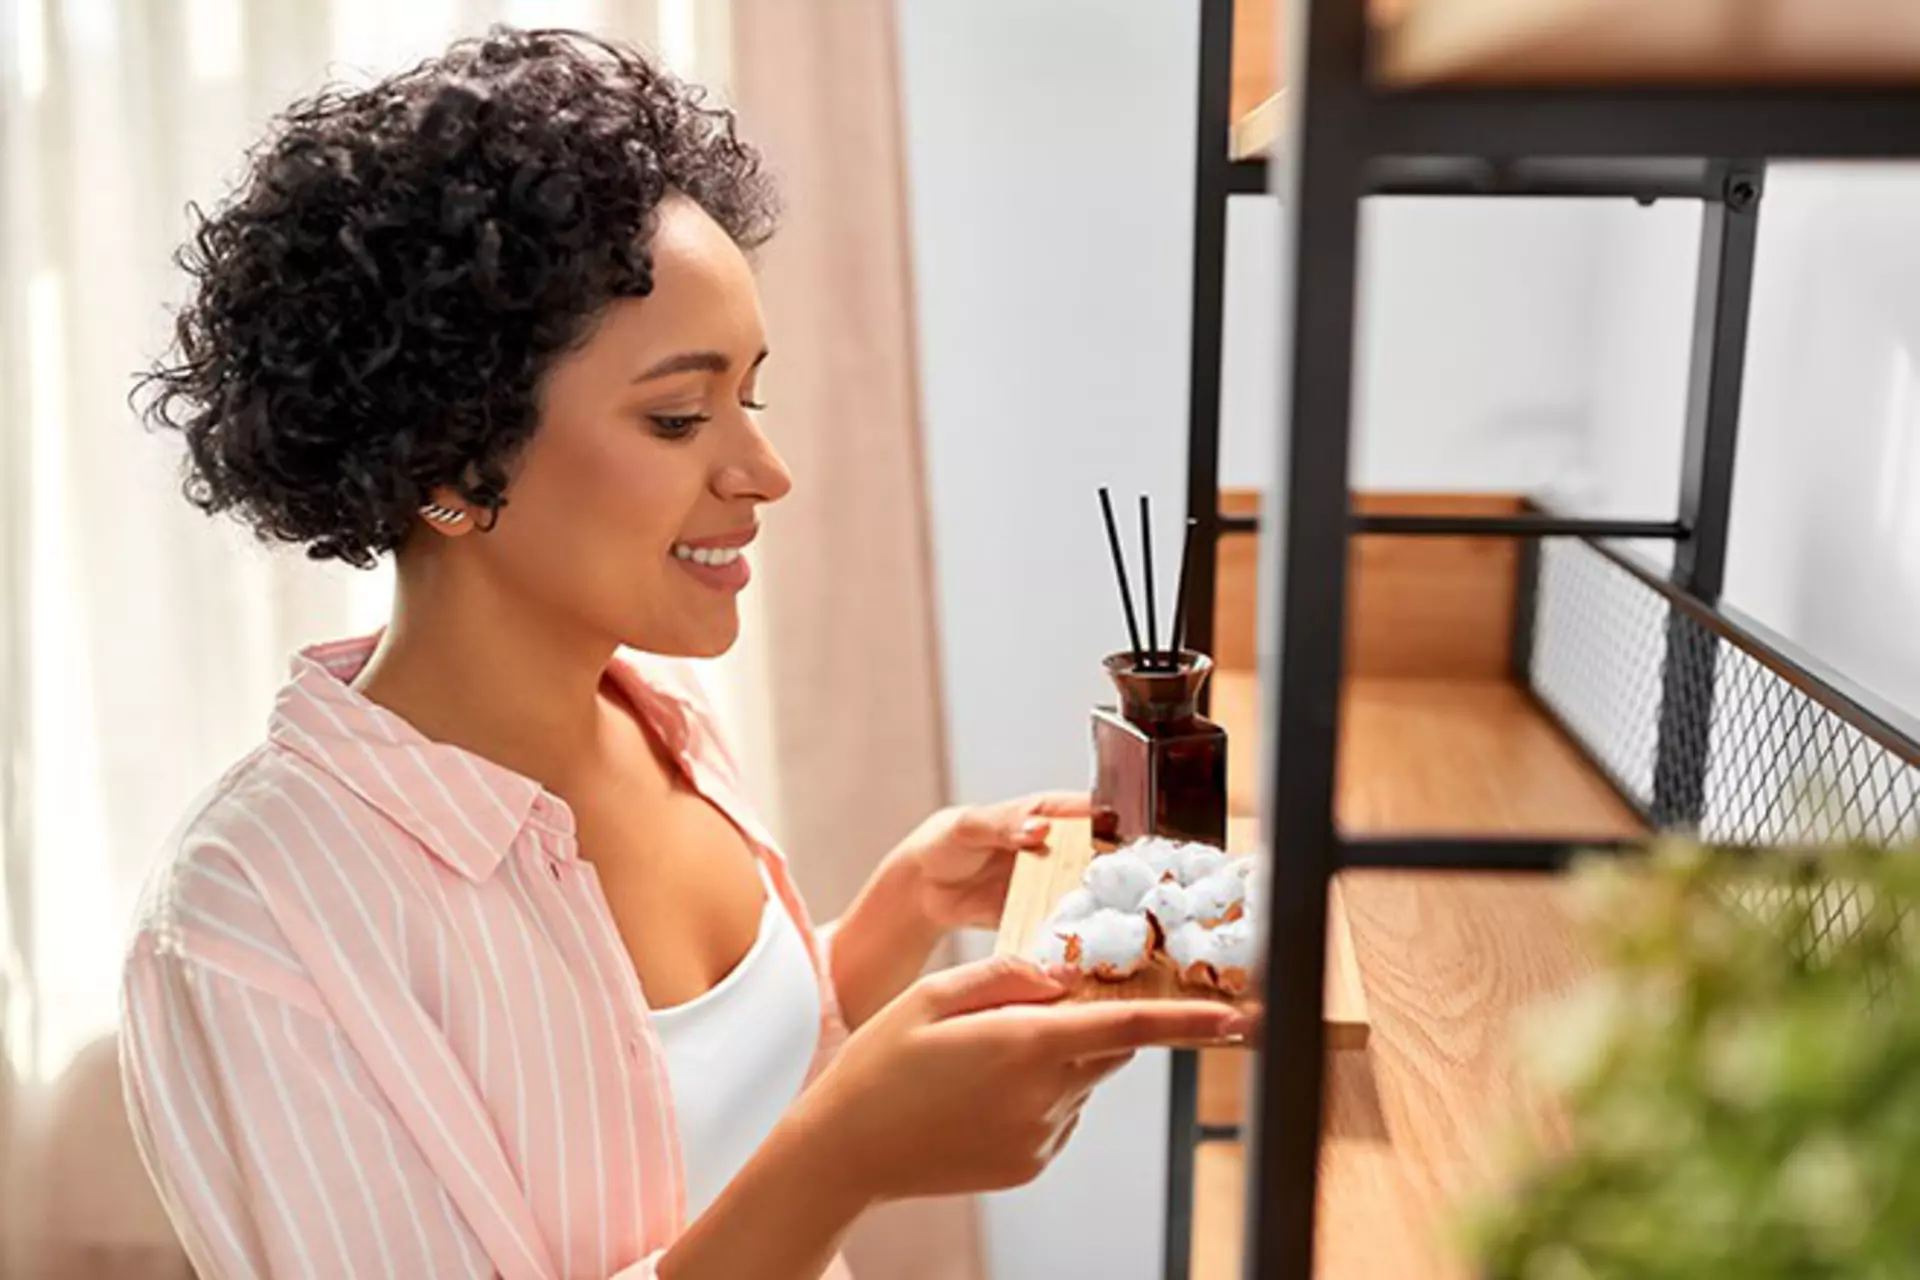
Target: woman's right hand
[{"x": 972, "y": 1079}]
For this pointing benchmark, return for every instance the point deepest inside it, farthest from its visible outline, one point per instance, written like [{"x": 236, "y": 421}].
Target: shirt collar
[{"x": 464, "y": 808}]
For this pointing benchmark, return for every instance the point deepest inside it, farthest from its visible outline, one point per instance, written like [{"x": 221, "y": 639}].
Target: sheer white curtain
[{"x": 140, "y": 643}]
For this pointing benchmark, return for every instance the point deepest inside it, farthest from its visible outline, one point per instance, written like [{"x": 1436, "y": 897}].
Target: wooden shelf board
[
  {"x": 1591, "y": 43},
  {"x": 1437, "y": 757},
  {"x": 1621, "y": 42},
  {"x": 1439, "y": 607},
  {"x": 1446, "y": 960},
  {"x": 1417, "y": 1118},
  {"x": 1257, "y": 131}
]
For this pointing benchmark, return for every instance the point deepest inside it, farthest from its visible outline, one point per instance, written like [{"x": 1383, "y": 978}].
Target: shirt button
[{"x": 553, "y": 868}]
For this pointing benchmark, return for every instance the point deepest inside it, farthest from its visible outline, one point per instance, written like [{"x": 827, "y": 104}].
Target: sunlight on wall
[
  {"x": 378, "y": 36},
  {"x": 30, "y": 48},
  {"x": 582, "y": 15},
  {"x": 677, "y": 41},
  {"x": 216, "y": 38},
  {"x": 69, "y": 842}
]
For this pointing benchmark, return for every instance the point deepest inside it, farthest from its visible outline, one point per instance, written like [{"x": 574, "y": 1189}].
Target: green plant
[{"x": 1741, "y": 1079}]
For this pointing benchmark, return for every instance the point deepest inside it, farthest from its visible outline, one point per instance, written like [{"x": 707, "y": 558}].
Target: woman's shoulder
[{"x": 248, "y": 861}]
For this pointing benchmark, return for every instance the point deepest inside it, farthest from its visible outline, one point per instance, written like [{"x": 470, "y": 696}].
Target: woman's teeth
[{"x": 705, "y": 555}]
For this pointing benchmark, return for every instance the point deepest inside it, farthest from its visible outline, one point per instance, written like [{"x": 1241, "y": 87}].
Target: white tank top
[{"x": 737, "y": 1054}]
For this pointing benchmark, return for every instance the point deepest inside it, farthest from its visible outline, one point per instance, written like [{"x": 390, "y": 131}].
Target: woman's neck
[{"x": 495, "y": 677}]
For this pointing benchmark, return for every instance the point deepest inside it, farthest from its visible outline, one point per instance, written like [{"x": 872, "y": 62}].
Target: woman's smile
[{"x": 719, "y": 562}]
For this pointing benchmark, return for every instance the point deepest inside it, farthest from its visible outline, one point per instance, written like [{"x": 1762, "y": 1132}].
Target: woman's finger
[
  {"x": 1060, "y": 804},
  {"x": 1085, "y": 1073},
  {"x": 1061, "y": 1136}
]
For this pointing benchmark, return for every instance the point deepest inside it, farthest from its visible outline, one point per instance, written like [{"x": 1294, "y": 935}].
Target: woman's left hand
[{"x": 963, "y": 857}]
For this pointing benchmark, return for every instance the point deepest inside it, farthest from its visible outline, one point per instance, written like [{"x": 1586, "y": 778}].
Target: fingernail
[{"x": 1035, "y": 827}]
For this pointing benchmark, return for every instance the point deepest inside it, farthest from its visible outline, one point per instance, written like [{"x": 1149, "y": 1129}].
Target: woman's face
[{"x": 630, "y": 510}]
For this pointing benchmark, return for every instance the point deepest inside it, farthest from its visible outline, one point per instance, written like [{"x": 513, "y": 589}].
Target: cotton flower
[
  {"x": 1108, "y": 944},
  {"x": 1220, "y": 896},
  {"x": 1160, "y": 854},
  {"x": 1167, "y": 903},
  {"x": 1198, "y": 861},
  {"x": 1075, "y": 904},
  {"x": 1118, "y": 881}
]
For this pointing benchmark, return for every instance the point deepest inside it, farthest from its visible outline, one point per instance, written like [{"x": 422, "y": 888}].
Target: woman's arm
[
  {"x": 277, "y": 1155},
  {"x": 783, "y": 1216},
  {"x": 882, "y": 942}
]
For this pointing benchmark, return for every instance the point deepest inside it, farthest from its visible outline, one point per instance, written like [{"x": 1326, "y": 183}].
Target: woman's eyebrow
[{"x": 694, "y": 362}]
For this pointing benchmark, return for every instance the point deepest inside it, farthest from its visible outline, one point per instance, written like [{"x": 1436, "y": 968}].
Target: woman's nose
[{"x": 758, "y": 474}]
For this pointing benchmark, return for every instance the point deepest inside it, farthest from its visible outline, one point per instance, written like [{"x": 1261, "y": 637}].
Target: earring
[{"x": 440, "y": 515}]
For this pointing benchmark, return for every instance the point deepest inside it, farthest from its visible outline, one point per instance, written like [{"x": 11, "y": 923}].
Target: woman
[{"x": 480, "y": 964}]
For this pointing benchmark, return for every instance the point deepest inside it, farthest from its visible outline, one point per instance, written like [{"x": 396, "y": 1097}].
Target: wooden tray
[{"x": 1041, "y": 879}]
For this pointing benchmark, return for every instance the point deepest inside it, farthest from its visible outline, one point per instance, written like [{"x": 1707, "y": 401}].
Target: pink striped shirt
[{"x": 377, "y": 1019}]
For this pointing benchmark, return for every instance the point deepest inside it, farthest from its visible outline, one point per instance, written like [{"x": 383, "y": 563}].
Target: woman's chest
[{"x": 681, "y": 884}]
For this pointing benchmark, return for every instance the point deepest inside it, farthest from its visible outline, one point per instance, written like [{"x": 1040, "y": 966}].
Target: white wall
[
  {"x": 1476, "y": 329},
  {"x": 1046, "y": 142},
  {"x": 1825, "y": 537},
  {"x": 1050, "y": 155}
]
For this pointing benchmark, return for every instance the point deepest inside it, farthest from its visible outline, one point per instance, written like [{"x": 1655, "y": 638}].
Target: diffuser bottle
[{"x": 1160, "y": 767}]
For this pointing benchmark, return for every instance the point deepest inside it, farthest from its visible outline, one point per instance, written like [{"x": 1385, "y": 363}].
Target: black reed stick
[
  {"x": 1146, "y": 559},
  {"x": 1178, "y": 636},
  {"x": 1120, "y": 573}
]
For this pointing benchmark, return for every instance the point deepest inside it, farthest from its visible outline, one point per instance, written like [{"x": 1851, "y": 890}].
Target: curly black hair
[{"x": 375, "y": 304}]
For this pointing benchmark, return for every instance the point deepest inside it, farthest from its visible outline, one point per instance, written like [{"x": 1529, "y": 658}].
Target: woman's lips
[{"x": 718, "y": 562}]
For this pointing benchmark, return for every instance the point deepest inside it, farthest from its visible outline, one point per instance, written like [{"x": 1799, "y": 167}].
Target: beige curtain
[{"x": 851, "y": 657}]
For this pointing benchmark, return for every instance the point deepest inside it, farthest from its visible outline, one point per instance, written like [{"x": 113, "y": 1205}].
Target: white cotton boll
[
  {"x": 1050, "y": 949},
  {"x": 1221, "y": 896},
  {"x": 1159, "y": 853},
  {"x": 1232, "y": 960},
  {"x": 1257, "y": 880},
  {"x": 1110, "y": 944},
  {"x": 1189, "y": 945},
  {"x": 1233, "y": 945},
  {"x": 1075, "y": 904},
  {"x": 1166, "y": 902},
  {"x": 1198, "y": 861},
  {"x": 1119, "y": 880}
]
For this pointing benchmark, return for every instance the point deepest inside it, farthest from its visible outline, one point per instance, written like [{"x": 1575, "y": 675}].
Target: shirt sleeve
[
  {"x": 271, "y": 1146},
  {"x": 273, "y": 1150}
]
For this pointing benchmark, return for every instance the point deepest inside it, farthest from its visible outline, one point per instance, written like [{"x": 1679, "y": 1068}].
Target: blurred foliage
[{"x": 1741, "y": 1078}]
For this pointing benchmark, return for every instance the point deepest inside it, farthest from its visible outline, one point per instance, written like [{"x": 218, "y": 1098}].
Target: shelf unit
[{"x": 1635, "y": 99}]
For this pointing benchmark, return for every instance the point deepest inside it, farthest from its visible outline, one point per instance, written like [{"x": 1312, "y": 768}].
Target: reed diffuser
[{"x": 1160, "y": 767}]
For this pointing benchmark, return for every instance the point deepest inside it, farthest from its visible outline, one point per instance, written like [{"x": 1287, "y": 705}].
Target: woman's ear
[{"x": 447, "y": 514}]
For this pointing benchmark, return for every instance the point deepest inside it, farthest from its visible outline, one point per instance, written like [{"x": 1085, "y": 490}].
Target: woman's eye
[
  {"x": 751, "y": 403},
  {"x": 676, "y": 426}
]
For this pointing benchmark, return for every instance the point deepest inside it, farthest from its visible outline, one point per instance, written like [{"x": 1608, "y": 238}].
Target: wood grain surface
[
  {"x": 1446, "y": 960},
  {"x": 1420, "y": 1116},
  {"x": 1428, "y": 608},
  {"x": 1439, "y": 757},
  {"x": 1706, "y": 42},
  {"x": 1710, "y": 42},
  {"x": 1041, "y": 879}
]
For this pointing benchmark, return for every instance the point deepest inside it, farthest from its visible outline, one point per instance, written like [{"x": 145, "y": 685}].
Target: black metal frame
[
  {"x": 1216, "y": 177},
  {"x": 1729, "y": 237},
  {"x": 1346, "y": 138}
]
